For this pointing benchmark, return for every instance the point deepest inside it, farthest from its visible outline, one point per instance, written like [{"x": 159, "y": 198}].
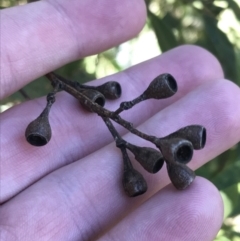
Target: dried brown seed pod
[
  {"x": 133, "y": 182},
  {"x": 150, "y": 159},
  {"x": 196, "y": 134},
  {"x": 180, "y": 175},
  {"x": 111, "y": 90},
  {"x": 176, "y": 149},
  {"x": 95, "y": 96},
  {"x": 161, "y": 87},
  {"x": 38, "y": 132}
]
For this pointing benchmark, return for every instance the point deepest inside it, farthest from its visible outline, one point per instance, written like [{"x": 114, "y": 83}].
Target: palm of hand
[{"x": 70, "y": 189}]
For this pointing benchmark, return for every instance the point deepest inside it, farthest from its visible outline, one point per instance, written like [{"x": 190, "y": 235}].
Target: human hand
[{"x": 70, "y": 189}]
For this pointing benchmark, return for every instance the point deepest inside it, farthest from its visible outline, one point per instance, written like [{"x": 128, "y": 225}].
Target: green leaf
[
  {"x": 238, "y": 69},
  {"x": 166, "y": 38},
  {"x": 228, "y": 177},
  {"x": 219, "y": 164},
  {"x": 171, "y": 21},
  {"x": 76, "y": 71},
  {"x": 230, "y": 199},
  {"x": 211, "y": 8},
  {"x": 234, "y": 6},
  {"x": 218, "y": 43}
]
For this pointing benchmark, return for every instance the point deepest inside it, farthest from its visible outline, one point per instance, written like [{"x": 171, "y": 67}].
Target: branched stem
[
  {"x": 118, "y": 139},
  {"x": 176, "y": 149},
  {"x": 126, "y": 105},
  {"x": 68, "y": 86}
]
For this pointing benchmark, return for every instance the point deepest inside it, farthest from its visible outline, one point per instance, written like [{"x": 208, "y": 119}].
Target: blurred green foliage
[{"x": 177, "y": 22}]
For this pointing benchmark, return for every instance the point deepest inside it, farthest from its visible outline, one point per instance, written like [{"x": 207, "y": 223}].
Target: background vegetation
[{"x": 215, "y": 25}]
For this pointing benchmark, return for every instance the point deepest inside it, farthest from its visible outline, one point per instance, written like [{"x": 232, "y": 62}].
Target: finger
[
  {"x": 193, "y": 214},
  {"x": 42, "y": 36},
  {"x": 81, "y": 133},
  {"x": 90, "y": 191}
]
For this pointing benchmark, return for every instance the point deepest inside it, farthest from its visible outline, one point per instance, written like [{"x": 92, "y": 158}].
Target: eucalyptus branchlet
[{"x": 176, "y": 149}]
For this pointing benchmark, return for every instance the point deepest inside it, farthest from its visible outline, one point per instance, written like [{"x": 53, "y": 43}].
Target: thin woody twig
[
  {"x": 101, "y": 111},
  {"x": 175, "y": 149}
]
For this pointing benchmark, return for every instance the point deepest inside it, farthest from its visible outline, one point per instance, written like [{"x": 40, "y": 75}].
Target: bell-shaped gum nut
[
  {"x": 111, "y": 90},
  {"x": 176, "y": 149},
  {"x": 180, "y": 175},
  {"x": 196, "y": 134},
  {"x": 38, "y": 132},
  {"x": 150, "y": 159},
  {"x": 95, "y": 96},
  {"x": 134, "y": 183},
  {"x": 161, "y": 87}
]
